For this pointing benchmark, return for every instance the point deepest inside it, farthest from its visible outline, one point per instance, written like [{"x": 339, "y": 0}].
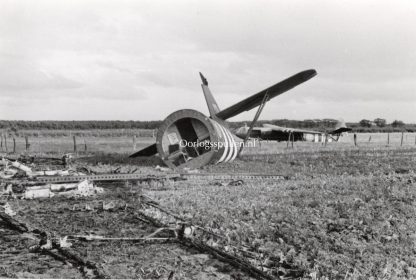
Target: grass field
[
  {"x": 342, "y": 215},
  {"x": 345, "y": 212}
]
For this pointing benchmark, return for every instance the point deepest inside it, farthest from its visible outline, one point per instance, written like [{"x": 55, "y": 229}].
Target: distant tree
[
  {"x": 380, "y": 122},
  {"x": 13, "y": 130},
  {"x": 397, "y": 123},
  {"x": 309, "y": 123},
  {"x": 365, "y": 123}
]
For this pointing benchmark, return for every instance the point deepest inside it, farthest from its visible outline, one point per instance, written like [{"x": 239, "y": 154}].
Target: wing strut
[{"x": 259, "y": 110}]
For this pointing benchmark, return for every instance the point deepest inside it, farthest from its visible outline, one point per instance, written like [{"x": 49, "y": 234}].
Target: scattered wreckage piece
[
  {"x": 82, "y": 189},
  {"x": 12, "y": 173},
  {"x": 45, "y": 160},
  {"x": 35, "y": 192},
  {"x": 101, "y": 205},
  {"x": 67, "y": 176},
  {"x": 108, "y": 177},
  {"x": 54, "y": 246},
  {"x": 11, "y": 168},
  {"x": 151, "y": 238},
  {"x": 228, "y": 184},
  {"x": 13, "y": 223},
  {"x": 8, "y": 210},
  {"x": 144, "y": 240},
  {"x": 234, "y": 176},
  {"x": 8, "y": 173},
  {"x": 49, "y": 186}
]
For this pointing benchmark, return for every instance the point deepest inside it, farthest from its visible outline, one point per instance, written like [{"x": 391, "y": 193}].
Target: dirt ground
[{"x": 114, "y": 259}]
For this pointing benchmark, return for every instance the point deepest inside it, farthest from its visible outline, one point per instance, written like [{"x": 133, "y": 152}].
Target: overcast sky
[{"x": 139, "y": 60}]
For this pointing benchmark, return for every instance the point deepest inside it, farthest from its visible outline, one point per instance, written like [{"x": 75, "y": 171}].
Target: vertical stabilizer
[{"x": 212, "y": 104}]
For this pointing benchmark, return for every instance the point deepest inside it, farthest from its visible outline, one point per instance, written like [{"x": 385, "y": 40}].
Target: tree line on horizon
[{"x": 377, "y": 125}]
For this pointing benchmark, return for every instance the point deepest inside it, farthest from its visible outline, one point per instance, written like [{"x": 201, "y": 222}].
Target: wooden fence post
[
  {"x": 27, "y": 142},
  {"x": 75, "y": 143},
  {"x": 369, "y": 139},
  {"x": 355, "y": 139},
  {"x": 293, "y": 139},
  {"x": 401, "y": 142},
  {"x": 388, "y": 138},
  {"x": 288, "y": 139},
  {"x": 85, "y": 145},
  {"x": 5, "y": 142},
  {"x": 14, "y": 145}
]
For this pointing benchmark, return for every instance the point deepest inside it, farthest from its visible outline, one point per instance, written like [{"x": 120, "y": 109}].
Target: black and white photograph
[{"x": 191, "y": 139}]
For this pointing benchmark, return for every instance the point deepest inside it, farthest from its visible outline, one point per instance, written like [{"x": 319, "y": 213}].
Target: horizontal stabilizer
[
  {"x": 146, "y": 152},
  {"x": 273, "y": 91}
]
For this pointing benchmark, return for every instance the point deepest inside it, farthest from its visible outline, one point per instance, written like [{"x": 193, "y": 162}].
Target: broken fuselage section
[{"x": 188, "y": 138}]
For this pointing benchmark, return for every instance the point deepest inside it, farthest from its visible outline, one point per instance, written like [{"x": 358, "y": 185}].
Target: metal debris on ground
[
  {"x": 101, "y": 205},
  {"x": 12, "y": 168},
  {"x": 38, "y": 192},
  {"x": 8, "y": 210},
  {"x": 6, "y": 190},
  {"x": 227, "y": 184},
  {"x": 169, "y": 235},
  {"x": 163, "y": 169},
  {"x": 191, "y": 171},
  {"x": 109, "y": 177},
  {"x": 235, "y": 176},
  {"x": 57, "y": 247},
  {"x": 45, "y": 160},
  {"x": 82, "y": 189}
]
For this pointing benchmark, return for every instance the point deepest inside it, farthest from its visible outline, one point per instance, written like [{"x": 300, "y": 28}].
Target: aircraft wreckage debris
[
  {"x": 56, "y": 247},
  {"x": 170, "y": 228},
  {"x": 82, "y": 189},
  {"x": 189, "y": 139},
  {"x": 10, "y": 170}
]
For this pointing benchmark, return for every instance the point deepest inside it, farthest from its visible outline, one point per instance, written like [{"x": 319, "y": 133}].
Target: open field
[{"x": 345, "y": 212}]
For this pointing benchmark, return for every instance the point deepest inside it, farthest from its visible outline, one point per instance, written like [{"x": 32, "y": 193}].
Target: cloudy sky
[{"x": 139, "y": 60}]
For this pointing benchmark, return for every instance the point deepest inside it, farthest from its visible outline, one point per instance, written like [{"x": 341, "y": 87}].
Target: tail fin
[{"x": 212, "y": 104}]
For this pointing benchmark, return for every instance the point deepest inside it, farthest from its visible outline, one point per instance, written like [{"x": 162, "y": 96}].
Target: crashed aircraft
[
  {"x": 189, "y": 139},
  {"x": 272, "y": 132}
]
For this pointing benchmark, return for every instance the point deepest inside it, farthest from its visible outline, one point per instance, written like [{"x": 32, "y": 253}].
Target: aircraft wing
[
  {"x": 289, "y": 129},
  {"x": 146, "y": 152},
  {"x": 273, "y": 91}
]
